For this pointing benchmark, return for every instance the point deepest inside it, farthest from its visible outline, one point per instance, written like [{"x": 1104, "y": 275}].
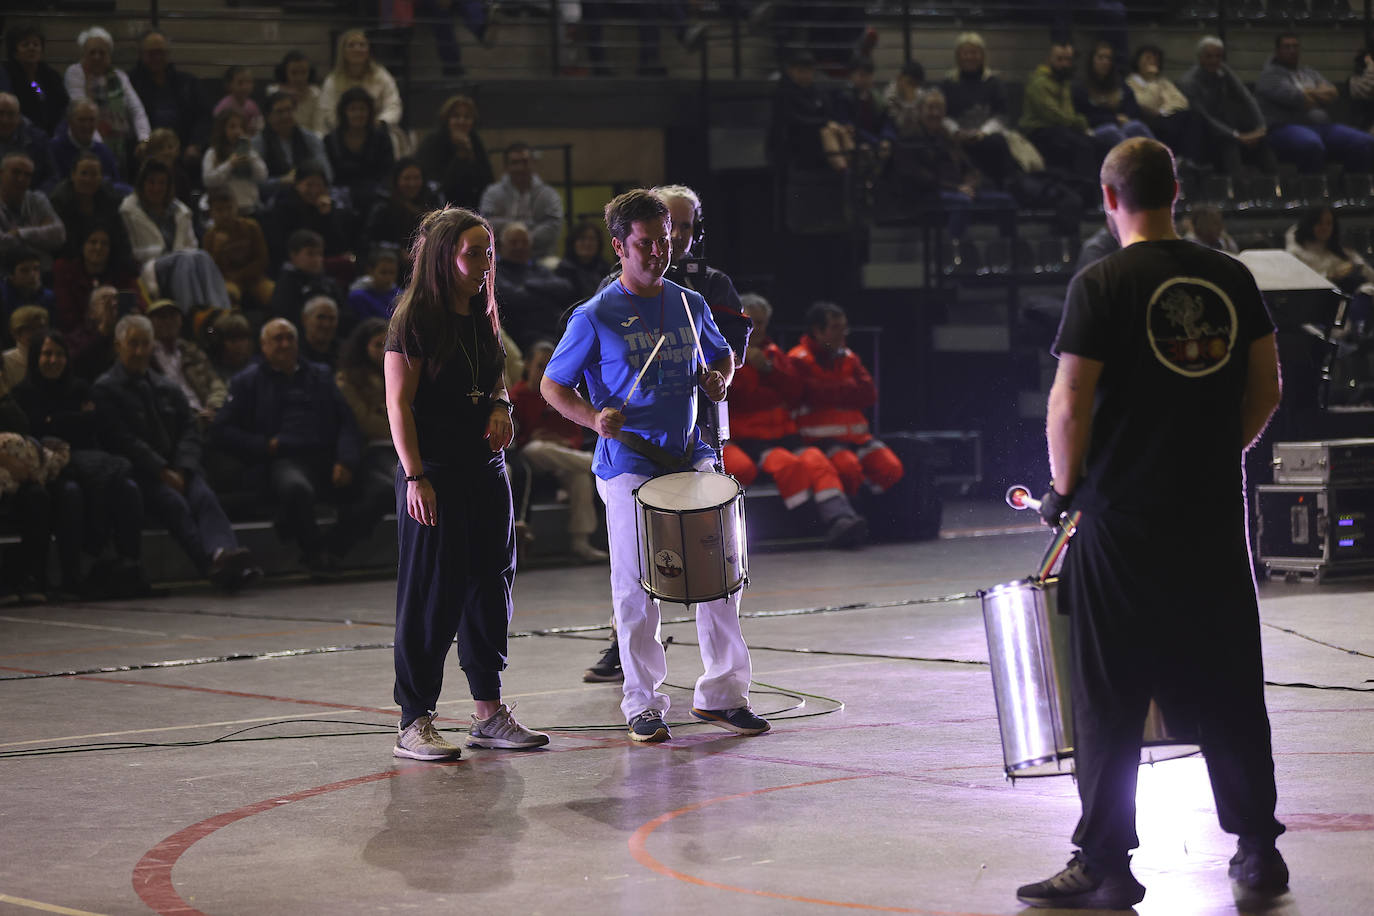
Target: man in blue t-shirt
[{"x": 647, "y": 432}]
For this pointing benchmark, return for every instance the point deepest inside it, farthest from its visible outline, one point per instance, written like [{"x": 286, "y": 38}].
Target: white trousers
[
  {"x": 573, "y": 468},
  {"x": 725, "y": 682}
]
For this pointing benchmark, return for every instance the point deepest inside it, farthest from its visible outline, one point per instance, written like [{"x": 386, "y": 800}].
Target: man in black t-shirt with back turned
[{"x": 1167, "y": 373}]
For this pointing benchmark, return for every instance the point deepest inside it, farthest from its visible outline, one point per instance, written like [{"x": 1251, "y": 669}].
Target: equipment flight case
[
  {"x": 1331, "y": 462},
  {"x": 1317, "y": 531}
]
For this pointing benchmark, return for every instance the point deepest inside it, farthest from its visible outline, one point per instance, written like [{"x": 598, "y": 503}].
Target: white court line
[
  {"x": 45, "y": 907},
  {"x": 83, "y": 626}
]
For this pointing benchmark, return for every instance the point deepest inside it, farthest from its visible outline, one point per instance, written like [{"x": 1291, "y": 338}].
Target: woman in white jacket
[
  {"x": 164, "y": 243},
  {"x": 354, "y": 66},
  {"x": 123, "y": 122}
]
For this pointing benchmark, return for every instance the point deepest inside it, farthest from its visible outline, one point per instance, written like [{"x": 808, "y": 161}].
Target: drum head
[{"x": 688, "y": 490}]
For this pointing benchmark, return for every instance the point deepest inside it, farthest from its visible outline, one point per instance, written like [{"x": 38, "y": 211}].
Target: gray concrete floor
[{"x": 894, "y": 803}]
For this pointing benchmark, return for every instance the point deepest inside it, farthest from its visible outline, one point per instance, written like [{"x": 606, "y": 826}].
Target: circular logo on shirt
[{"x": 1191, "y": 324}]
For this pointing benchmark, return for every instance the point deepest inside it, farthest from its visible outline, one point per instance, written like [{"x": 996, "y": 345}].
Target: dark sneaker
[
  {"x": 227, "y": 566},
  {"x": 420, "y": 740},
  {"x": 607, "y": 668},
  {"x": 1259, "y": 870},
  {"x": 1080, "y": 887},
  {"x": 741, "y": 721},
  {"x": 649, "y": 726},
  {"x": 501, "y": 730},
  {"x": 847, "y": 532}
]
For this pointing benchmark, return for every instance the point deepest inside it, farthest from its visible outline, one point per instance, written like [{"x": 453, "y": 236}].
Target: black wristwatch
[
  {"x": 411, "y": 478},
  {"x": 504, "y": 403}
]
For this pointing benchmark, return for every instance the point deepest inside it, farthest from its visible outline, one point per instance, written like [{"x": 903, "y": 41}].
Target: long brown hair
[{"x": 422, "y": 308}]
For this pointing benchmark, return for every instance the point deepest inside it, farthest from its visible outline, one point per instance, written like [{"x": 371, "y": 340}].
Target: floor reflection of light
[{"x": 1182, "y": 855}]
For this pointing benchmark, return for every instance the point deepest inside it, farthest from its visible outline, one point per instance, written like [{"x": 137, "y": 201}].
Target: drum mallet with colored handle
[{"x": 644, "y": 368}]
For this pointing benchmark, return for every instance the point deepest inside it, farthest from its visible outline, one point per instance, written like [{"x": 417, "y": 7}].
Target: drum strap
[{"x": 655, "y": 453}]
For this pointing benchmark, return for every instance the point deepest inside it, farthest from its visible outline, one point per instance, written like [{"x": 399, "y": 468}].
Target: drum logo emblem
[{"x": 668, "y": 563}]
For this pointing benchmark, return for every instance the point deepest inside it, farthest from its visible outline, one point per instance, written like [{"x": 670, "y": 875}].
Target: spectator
[
  {"x": 1296, "y": 103},
  {"x": 397, "y": 215},
  {"x": 19, "y": 135},
  {"x": 1107, "y": 101},
  {"x": 1164, "y": 107},
  {"x": 584, "y": 263},
  {"x": 238, "y": 85},
  {"x": 96, "y": 498},
  {"x": 295, "y": 76},
  {"x": 763, "y": 434},
  {"x": 164, "y": 146},
  {"x": 1361, "y": 88},
  {"x": 84, "y": 201},
  {"x": 42, "y": 96},
  {"x": 302, "y": 278},
  {"x": 286, "y": 418},
  {"x": 373, "y": 295},
  {"x": 23, "y": 285},
  {"x": 79, "y": 137},
  {"x": 26, "y": 217},
  {"x": 1209, "y": 228},
  {"x": 145, "y": 418},
  {"x": 453, "y": 154},
  {"x": 93, "y": 342},
  {"x": 172, "y": 98},
  {"x": 183, "y": 363},
  {"x": 1050, "y": 121},
  {"x": 532, "y": 298},
  {"x": 240, "y": 251},
  {"x": 803, "y": 135},
  {"x": 75, "y": 278},
  {"x": 443, "y": 13},
  {"x": 232, "y": 163},
  {"x": 836, "y": 390},
  {"x": 122, "y": 120},
  {"x": 285, "y": 144},
  {"x": 27, "y": 322},
  {"x": 940, "y": 174},
  {"x": 164, "y": 243},
  {"x": 553, "y": 444},
  {"x": 902, "y": 97},
  {"x": 976, "y": 100},
  {"x": 522, "y": 196},
  {"x": 1236, "y": 134},
  {"x": 361, "y": 382},
  {"x": 319, "y": 334},
  {"x": 355, "y": 68},
  {"x": 229, "y": 343},
  {"x": 359, "y": 149},
  {"x": 1315, "y": 239},
  {"x": 26, "y": 468},
  {"x": 860, "y": 110},
  {"x": 305, "y": 204}
]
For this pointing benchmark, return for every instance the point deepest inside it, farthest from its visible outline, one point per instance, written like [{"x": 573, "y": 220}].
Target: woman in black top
[
  {"x": 96, "y": 499},
  {"x": 42, "y": 95},
  {"x": 394, "y": 218},
  {"x": 450, "y": 418},
  {"x": 453, "y": 154},
  {"x": 584, "y": 263},
  {"x": 359, "y": 149}
]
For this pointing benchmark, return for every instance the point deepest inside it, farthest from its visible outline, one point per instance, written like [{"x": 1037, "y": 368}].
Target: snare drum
[
  {"x": 690, "y": 529},
  {"x": 1028, "y": 648}
]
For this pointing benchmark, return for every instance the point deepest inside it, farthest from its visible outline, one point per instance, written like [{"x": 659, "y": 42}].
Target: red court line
[{"x": 639, "y": 849}]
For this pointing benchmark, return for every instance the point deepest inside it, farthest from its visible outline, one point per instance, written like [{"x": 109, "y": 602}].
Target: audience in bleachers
[
  {"x": 23, "y": 285},
  {"x": 364, "y": 389},
  {"x": 231, "y": 162},
  {"x": 165, "y": 146},
  {"x": 229, "y": 343},
  {"x": 123, "y": 122},
  {"x": 359, "y": 148},
  {"x": 976, "y": 101},
  {"x": 1049, "y": 119},
  {"x": 395, "y": 217},
  {"x": 1296, "y": 102},
  {"x": 1237, "y": 137},
  {"x": 804, "y": 135},
  {"x": 238, "y": 97},
  {"x": 532, "y": 298},
  {"x": 26, "y": 323},
  {"x": 77, "y": 136},
  {"x": 373, "y": 295},
  {"x": 84, "y": 200},
  {"x": 295, "y": 76},
  {"x": 584, "y": 263},
  {"x": 522, "y": 196},
  {"x": 183, "y": 363},
  {"x": 302, "y": 277},
  {"x": 171, "y": 97},
  {"x": 284, "y": 144},
  {"x": 1315, "y": 239},
  {"x": 453, "y": 155},
  {"x": 1107, "y": 100},
  {"x": 306, "y": 203},
  {"x": 76, "y": 276},
  {"x": 240, "y": 252},
  {"x": 354, "y": 68},
  {"x": 26, "y": 216},
  {"x": 902, "y": 98},
  {"x": 92, "y": 341},
  {"x": 165, "y": 246},
  {"x": 19, "y": 135},
  {"x": 42, "y": 95},
  {"x": 860, "y": 110},
  {"x": 1207, "y": 226},
  {"x": 26, "y": 468},
  {"x": 319, "y": 331},
  {"x": 1164, "y": 107}
]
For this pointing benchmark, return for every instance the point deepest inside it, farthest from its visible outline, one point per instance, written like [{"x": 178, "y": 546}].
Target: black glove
[{"x": 1054, "y": 504}]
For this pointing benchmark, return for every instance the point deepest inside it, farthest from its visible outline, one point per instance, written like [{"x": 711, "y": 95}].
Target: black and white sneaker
[
  {"x": 740, "y": 720},
  {"x": 1081, "y": 887},
  {"x": 649, "y": 726},
  {"x": 607, "y": 668}
]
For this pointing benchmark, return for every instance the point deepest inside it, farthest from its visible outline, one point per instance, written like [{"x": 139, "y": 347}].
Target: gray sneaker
[
  {"x": 501, "y": 730},
  {"x": 421, "y": 741}
]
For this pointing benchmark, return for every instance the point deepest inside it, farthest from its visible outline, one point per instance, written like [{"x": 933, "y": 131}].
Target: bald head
[{"x": 280, "y": 346}]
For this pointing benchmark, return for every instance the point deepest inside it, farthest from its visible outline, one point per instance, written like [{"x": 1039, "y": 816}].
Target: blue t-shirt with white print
[{"x": 608, "y": 338}]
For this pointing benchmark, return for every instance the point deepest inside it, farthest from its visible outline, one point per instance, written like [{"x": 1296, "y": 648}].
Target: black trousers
[
  {"x": 194, "y": 517},
  {"x": 296, "y": 486},
  {"x": 454, "y": 579},
  {"x": 90, "y": 515},
  {"x": 1156, "y": 614},
  {"x": 30, "y": 509}
]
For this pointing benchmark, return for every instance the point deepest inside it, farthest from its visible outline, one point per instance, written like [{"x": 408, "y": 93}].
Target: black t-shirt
[
  {"x": 1172, "y": 322},
  {"x": 450, "y": 420}
]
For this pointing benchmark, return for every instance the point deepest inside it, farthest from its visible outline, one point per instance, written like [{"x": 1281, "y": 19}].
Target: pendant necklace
[
  {"x": 634, "y": 304},
  {"x": 476, "y": 392}
]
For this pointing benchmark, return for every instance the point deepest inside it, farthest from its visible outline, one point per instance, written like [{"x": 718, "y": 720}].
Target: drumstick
[
  {"x": 644, "y": 368},
  {"x": 692, "y": 326}
]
